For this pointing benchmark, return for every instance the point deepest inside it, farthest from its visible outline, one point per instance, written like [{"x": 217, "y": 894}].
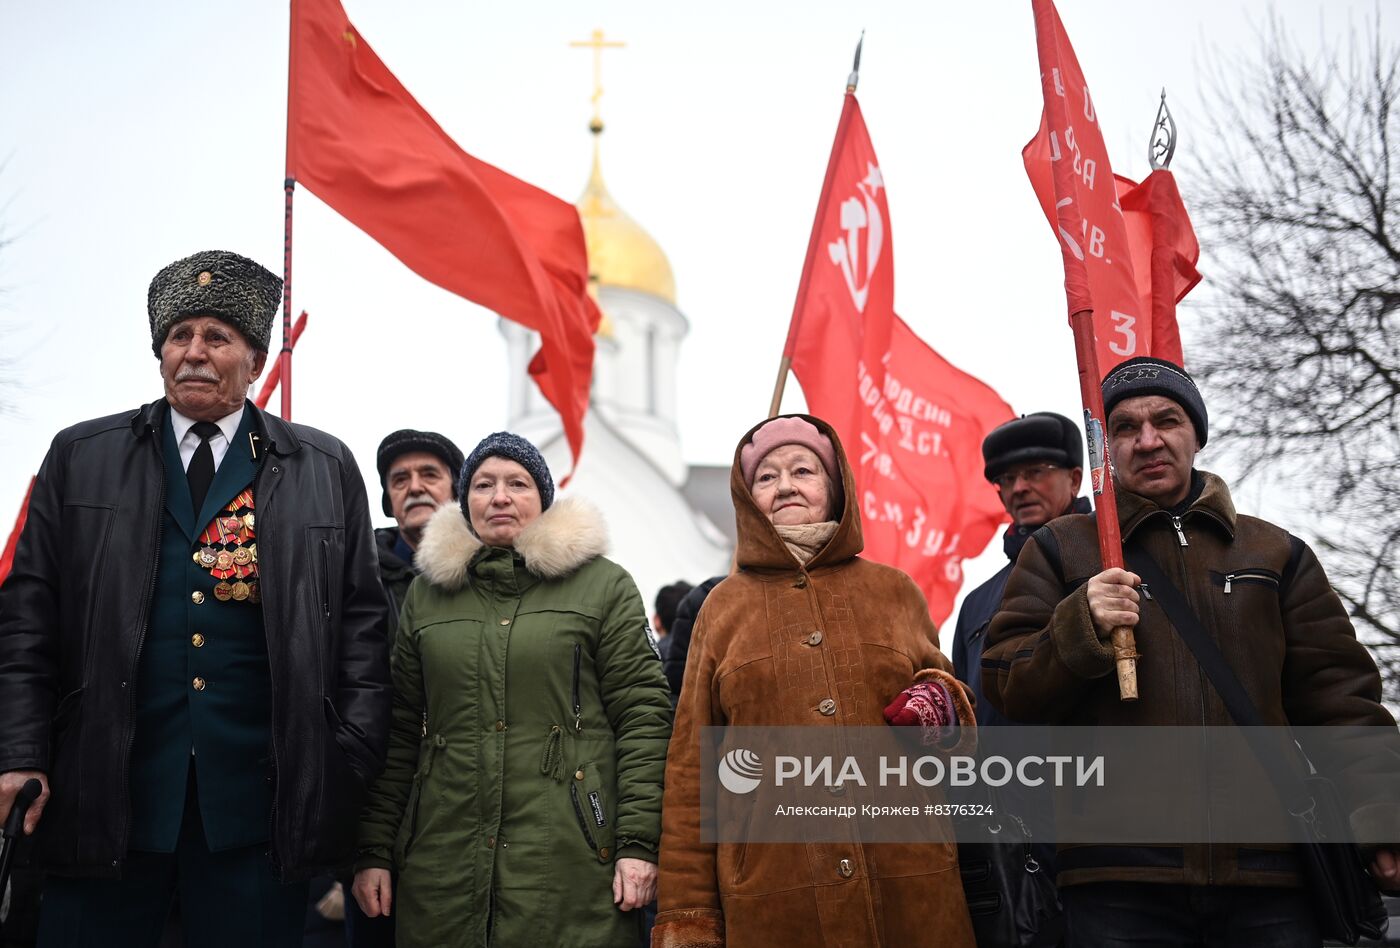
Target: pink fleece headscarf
[{"x": 781, "y": 431}]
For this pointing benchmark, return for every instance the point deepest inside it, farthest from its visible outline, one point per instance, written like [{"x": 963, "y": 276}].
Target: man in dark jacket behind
[
  {"x": 418, "y": 473},
  {"x": 192, "y": 644},
  {"x": 1036, "y": 463},
  {"x": 1280, "y": 627},
  {"x": 678, "y": 649}
]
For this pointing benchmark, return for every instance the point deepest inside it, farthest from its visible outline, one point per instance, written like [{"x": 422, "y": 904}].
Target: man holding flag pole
[{"x": 1280, "y": 649}]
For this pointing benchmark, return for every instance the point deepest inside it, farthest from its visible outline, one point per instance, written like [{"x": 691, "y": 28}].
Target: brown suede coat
[
  {"x": 1280, "y": 626},
  {"x": 754, "y": 660}
]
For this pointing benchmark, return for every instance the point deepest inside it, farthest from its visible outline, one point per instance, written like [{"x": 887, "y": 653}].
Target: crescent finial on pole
[
  {"x": 854, "y": 78},
  {"x": 1163, "y": 143}
]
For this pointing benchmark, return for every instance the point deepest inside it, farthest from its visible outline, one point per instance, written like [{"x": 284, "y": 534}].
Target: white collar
[{"x": 228, "y": 425}]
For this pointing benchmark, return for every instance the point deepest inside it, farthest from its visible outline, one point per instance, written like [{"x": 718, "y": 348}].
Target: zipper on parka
[{"x": 578, "y": 706}]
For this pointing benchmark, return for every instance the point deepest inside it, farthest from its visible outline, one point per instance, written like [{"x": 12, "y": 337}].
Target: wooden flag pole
[{"x": 1125, "y": 654}]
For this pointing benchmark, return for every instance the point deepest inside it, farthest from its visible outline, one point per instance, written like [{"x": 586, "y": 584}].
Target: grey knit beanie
[
  {"x": 241, "y": 292},
  {"x": 1145, "y": 375},
  {"x": 512, "y": 447}
]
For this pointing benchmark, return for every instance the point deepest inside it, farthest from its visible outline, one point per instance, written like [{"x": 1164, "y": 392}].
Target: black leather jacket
[{"x": 74, "y": 611}]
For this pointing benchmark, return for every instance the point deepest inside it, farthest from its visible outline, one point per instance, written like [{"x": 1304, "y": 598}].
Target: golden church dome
[{"x": 620, "y": 252}]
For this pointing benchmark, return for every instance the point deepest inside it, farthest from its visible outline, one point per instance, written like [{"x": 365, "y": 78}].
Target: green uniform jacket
[{"x": 528, "y": 743}]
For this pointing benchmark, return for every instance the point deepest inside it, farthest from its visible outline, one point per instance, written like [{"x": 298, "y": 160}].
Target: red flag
[
  {"x": 1069, "y": 169},
  {"x": 924, "y": 502},
  {"x": 7, "y": 558},
  {"x": 844, "y": 313},
  {"x": 366, "y": 147},
  {"x": 1164, "y": 251},
  {"x": 912, "y": 424}
]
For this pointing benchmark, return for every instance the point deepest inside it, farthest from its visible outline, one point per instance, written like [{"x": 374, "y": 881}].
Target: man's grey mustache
[
  {"x": 199, "y": 374},
  {"x": 421, "y": 501}
]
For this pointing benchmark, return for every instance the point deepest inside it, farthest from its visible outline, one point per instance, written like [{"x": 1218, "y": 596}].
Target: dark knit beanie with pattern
[
  {"x": 239, "y": 291},
  {"x": 1039, "y": 436},
  {"x": 512, "y": 447},
  {"x": 407, "y": 441},
  {"x": 1148, "y": 376}
]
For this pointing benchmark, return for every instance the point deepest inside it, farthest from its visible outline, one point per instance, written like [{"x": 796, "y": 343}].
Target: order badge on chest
[{"x": 229, "y": 550}]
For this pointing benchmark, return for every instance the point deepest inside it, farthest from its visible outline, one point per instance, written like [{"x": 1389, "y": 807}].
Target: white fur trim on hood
[{"x": 563, "y": 538}]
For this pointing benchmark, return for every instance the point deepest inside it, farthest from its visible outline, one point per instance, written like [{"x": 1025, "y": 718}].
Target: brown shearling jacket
[
  {"x": 1263, "y": 595},
  {"x": 772, "y": 644}
]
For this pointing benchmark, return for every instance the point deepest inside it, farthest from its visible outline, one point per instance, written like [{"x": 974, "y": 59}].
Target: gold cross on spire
[{"x": 597, "y": 44}]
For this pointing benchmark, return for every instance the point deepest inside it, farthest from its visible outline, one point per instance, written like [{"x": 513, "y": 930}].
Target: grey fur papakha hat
[
  {"x": 239, "y": 291},
  {"x": 512, "y": 447}
]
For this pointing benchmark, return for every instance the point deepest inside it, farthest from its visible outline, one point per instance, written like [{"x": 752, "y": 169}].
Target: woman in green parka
[{"x": 521, "y": 803}]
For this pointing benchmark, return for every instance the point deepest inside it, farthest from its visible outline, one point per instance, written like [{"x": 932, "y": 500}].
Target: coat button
[
  {"x": 505, "y": 622},
  {"x": 801, "y": 582},
  {"x": 196, "y": 597},
  {"x": 827, "y": 707},
  {"x": 845, "y": 868},
  {"x": 490, "y": 842},
  {"x": 500, "y": 725},
  {"x": 604, "y": 853},
  {"x": 197, "y": 640},
  {"x": 578, "y": 774},
  {"x": 199, "y": 684},
  {"x": 815, "y": 638}
]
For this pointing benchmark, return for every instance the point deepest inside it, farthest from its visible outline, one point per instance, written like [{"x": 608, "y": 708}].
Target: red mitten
[{"x": 926, "y": 704}]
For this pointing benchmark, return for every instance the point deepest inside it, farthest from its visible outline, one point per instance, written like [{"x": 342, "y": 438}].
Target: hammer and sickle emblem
[{"x": 860, "y": 214}]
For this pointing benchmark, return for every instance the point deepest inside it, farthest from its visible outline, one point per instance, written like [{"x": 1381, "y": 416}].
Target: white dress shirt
[{"x": 188, "y": 441}]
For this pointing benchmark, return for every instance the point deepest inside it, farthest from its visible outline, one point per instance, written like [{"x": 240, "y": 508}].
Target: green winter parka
[{"x": 530, "y": 724}]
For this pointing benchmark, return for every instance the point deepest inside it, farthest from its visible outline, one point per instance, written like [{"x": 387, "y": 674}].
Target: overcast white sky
[{"x": 138, "y": 133}]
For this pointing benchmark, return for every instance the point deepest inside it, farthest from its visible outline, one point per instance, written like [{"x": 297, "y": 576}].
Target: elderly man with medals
[{"x": 193, "y": 644}]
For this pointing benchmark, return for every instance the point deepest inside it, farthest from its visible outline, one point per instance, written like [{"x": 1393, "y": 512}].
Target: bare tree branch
[{"x": 1299, "y": 210}]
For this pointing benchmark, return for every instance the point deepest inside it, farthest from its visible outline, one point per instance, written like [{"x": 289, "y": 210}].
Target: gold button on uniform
[
  {"x": 500, "y": 725},
  {"x": 827, "y": 707},
  {"x": 578, "y": 774},
  {"x": 846, "y": 869},
  {"x": 604, "y": 853},
  {"x": 196, "y": 597},
  {"x": 815, "y": 638},
  {"x": 505, "y": 622},
  {"x": 197, "y": 640},
  {"x": 199, "y": 684}
]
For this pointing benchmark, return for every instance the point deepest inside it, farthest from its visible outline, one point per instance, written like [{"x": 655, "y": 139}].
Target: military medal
[{"x": 227, "y": 550}]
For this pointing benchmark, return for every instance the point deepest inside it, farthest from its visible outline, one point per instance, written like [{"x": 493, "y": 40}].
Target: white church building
[{"x": 667, "y": 520}]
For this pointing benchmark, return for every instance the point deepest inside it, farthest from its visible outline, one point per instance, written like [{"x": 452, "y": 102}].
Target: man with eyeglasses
[{"x": 1035, "y": 464}]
